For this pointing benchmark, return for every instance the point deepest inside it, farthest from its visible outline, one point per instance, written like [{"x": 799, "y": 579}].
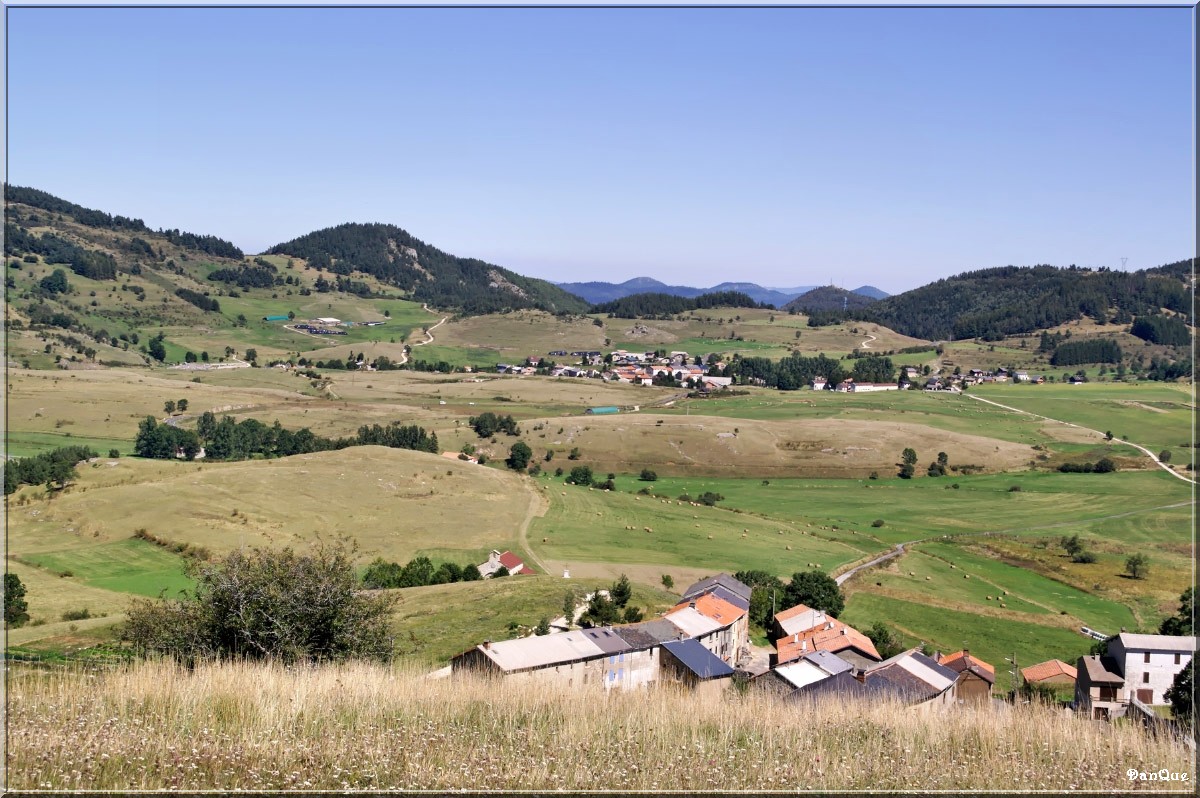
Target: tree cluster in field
[
  {"x": 1104, "y": 465},
  {"x": 55, "y": 467},
  {"x": 1010, "y": 300},
  {"x": 1164, "y": 370},
  {"x": 664, "y": 306},
  {"x": 708, "y": 498},
  {"x": 267, "y": 605},
  {"x": 466, "y": 283},
  {"x": 1075, "y": 549},
  {"x": 262, "y": 275},
  {"x": 199, "y": 300},
  {"x": 99, "y": 219},
  {"x": 382, "y": 575},
  {"x": 768, "y": 594},
  {"x": 1166, "y": 330},
  {"x": 787, "y": 374},
  {"x": 488, "y": 424},
  {"x": 228, "y": 439},
  {"x": 607, "y": 610},
  {"x": 1098, "y": 350}
]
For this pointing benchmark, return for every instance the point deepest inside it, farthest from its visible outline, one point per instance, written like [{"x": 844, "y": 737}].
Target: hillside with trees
[
  {"x": 1011, "y": 300},
  {"x": 442, "y": 280},
  {"x": 828, "y": 297}
]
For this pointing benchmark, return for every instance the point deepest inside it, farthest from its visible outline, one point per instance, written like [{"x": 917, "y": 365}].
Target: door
[{"x": 1145, "y": 696}]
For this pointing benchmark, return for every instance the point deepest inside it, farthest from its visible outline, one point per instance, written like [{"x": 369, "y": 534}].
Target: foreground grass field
[{"x": 246, "y": 727}]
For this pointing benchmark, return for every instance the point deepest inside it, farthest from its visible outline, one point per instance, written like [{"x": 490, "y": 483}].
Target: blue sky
[{"x": 780, "y": 146}]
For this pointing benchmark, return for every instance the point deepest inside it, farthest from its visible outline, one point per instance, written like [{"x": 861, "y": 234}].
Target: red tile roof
[
  {"x": 511, "y": 561},
  {"x": 832, "y": 636},
  {"x": 714, "y": 607},
  {"x": 961, "y": 660},
  {"x": 1048, "y": 670}
]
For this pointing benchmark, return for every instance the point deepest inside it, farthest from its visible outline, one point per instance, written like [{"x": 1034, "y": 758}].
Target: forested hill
[
  {"x": 655, "y": 305},
  {"x": 828, "y": 297},
  {"x": 444, "y": 281},
  {"x": 1011, "y": 300},
  {"x": 34, "y": 198}
]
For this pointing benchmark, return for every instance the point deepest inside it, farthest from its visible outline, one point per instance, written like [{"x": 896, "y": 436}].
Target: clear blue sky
[{"x": 780, "y": 146}]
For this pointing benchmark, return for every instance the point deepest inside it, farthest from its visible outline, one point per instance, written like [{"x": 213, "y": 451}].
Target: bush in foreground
[{"x": 266, "y": 604}]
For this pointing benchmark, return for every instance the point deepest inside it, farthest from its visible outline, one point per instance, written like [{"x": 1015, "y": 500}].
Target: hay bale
[
  {"x": 710, "y": 537},
  {"x": 929, "y": 579},
  {"x": 545, "y": 540},
  {"x": 789, "y": 548},
  {"x": 966, "y": 576}
]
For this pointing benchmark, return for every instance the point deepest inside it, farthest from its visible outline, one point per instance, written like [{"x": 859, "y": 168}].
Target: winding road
[
  {"x": 428, "y": 335},
  {"x": 867, "y": 343},
  {"x": 1148, "y": 453}
]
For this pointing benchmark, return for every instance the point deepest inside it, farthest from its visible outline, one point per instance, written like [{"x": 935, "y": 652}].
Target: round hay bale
[
  {"x": 929, "y": 579},
  {"x": 912, "y": 573},
  {"x": 966, "y": 576},
  {"x": 989, "y": 598},
  {"x": 697, "y": 526},
  {"x": 564, "y": 493},
  {"x": 710, "y": 537},
  {"x": 743, "y": 534},
  {"x": 1006, "y": 592},
  {"x": 789, "y": 548}
]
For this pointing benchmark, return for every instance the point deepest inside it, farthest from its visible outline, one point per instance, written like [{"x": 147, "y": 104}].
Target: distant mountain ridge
[{"x": 601, "y": 292}]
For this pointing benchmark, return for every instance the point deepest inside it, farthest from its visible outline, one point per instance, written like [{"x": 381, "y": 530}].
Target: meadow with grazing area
[{"x": 154, "y": 726}]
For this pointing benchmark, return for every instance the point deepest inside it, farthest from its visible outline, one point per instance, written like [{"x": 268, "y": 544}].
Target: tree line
[
  {"x": 198, "y": 299},
  {"x": 418, "y": 572},
  {"x": 1166, "y": 330},
  {"x": 228, "y": 439},
  {"x": 90, "y": 263}
]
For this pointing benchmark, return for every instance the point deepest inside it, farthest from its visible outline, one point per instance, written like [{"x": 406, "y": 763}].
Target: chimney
[
  {"x": 796, "y": 638},
  {"x": 692, "y": 605},
  {"x": 487, "y": 644},
  {"x": 843, "y": 630},
  {"x": 804, "y": 646}
]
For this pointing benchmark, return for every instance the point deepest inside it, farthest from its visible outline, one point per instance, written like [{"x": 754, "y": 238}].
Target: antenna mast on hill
[{"x": 1123, "y": 262}]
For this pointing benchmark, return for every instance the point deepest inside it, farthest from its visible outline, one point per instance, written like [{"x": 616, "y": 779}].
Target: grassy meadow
[{"x": 230, "y": 727}]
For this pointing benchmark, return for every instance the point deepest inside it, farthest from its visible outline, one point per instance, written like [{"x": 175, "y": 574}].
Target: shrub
[
  {"x": 580, "y": 475},
  {"x": 114, "y": 453},
  {"x": 878, "y": 522},
  {"x": 77, "y": 615},
  {"x": 267, "y": 604},
  {"x": 647, "y": 475},
  {"x": 1014, "y": 488}
]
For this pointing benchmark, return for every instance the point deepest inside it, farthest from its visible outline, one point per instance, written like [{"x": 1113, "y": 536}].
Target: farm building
[
  {"x": 975, "y": 677},
  {"x": 802, "y": 630},
  {"x": 688, "y": 663},
  {"x": 328, "y": 320},
  {"x": 1050, "y": 672},
  {"x": 496, "y": 559},
  {"x": 812, "y": 668},
  {"x": 603, "y": 411},
  {"x": 275, "y": 318},
  {"x": 915, "y": 679}
]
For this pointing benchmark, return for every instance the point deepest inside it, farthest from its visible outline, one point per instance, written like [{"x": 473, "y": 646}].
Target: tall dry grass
[{"x": 240, "y": 726}]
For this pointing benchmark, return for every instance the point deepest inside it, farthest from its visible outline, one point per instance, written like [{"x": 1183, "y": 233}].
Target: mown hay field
[{"x": 231, "y": 727}]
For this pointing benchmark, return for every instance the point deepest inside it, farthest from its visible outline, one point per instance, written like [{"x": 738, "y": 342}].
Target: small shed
[
  {"x": 603, "y": 411},
  {"x": 690, "y": 664},
  {"x": 275, "y": 318}
]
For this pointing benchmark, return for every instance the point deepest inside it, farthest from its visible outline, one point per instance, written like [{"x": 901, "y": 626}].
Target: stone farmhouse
[
  {"x": 1135, "y": 668},
  {"x": 697, "y": 644}
]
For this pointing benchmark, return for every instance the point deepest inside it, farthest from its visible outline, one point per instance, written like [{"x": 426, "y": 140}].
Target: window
[
  {"x": 1147, "y": 657},
  {"x": 1177, "y": 659},
  {"x": 1146, "y": 678}
]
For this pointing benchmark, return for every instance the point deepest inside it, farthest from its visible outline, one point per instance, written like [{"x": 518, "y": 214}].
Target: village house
[
  {"x": 1052, "y": 673},
  {"x": 509, "y": 560},
  {"x": 975, "y": 677},
  {"x": 819, "y": 383},
  {"x": 802, "y": 630},
  {"x": 813, "y": 667},
  {"x": 710, "y": 616},
  {"x": 691, "y": 665},
  {"x": 1134, "y": 667},
  {"x": 915, "y": 679}
]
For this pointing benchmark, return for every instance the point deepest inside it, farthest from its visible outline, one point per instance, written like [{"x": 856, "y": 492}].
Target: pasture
[
  {"x": 587, "y": 526},
  {"x": 1157, "y": 415},
  {"x": 990, "y": 637}
]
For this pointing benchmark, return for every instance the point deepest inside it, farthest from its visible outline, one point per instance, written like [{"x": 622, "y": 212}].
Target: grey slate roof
[
  {"x": 731, "y": 597},
  {"x": 607, "y": 640},
  {"x": 698, "y": 659},
  {"x": 647, "y": 633},
  {"x": 720, "y": 580},
  {"x": 1136, "y": 642},
  {"x": 829, "y": 662}
]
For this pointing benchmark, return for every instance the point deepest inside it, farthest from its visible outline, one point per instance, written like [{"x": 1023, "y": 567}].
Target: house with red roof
[
  {"x": 512, "y": 562},
  {"x": 801, "y": 630},
  {"x": 975, "y": 677}
]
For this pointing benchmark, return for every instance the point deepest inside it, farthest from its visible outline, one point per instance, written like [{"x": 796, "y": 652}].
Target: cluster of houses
[{"x": 702, "y": 643}]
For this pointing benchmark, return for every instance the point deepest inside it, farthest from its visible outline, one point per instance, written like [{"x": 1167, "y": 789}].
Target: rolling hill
[
  {"x": 446, "y": 281},
  {"x": 600, "y": 292},
  {"x": 1012, "y": 300}
]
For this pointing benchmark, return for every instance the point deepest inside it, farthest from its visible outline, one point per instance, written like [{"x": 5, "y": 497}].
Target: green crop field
[
  {"x": 990, "y": 638},
  {"x": 583, "y": 525},
  {"x": 1156, "y": 415},
  {"x": 928, "y": 507},
  {"x": 124, "y": 566}
]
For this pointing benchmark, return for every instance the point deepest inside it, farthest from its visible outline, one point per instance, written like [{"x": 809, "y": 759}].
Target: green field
[
  {"x": 990, "y": 638},
  {"x": 1156, "y": 415},
  {"x": 126, "y": 566},
  {"x": 928, "y": 507}
]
